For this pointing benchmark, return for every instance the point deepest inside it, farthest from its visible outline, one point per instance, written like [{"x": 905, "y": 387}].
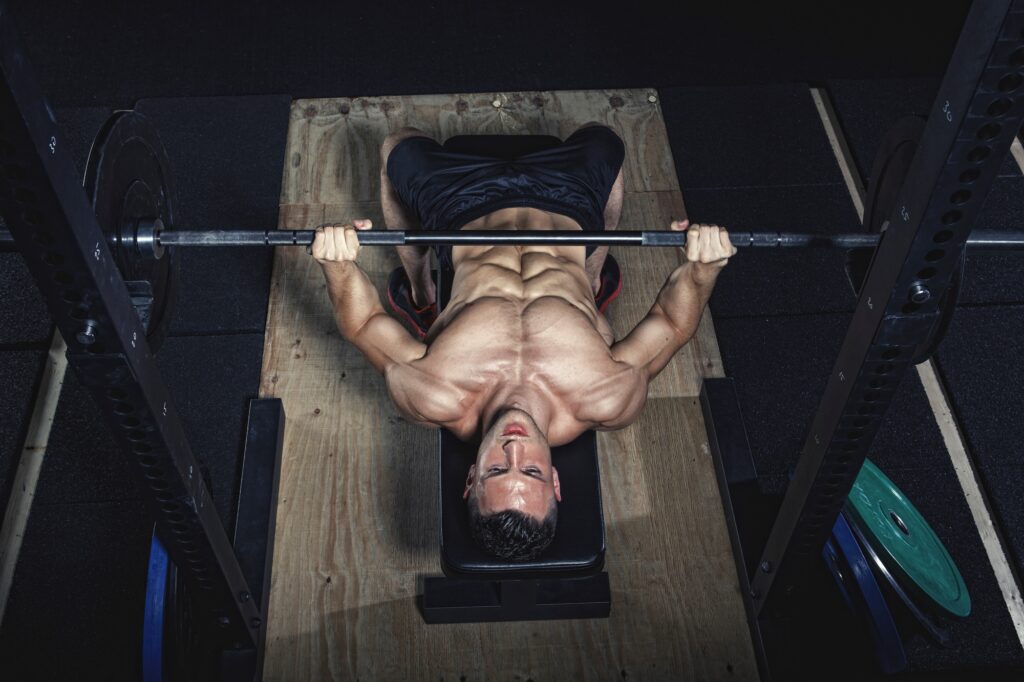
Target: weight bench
[{"x": 566, "y": 580}]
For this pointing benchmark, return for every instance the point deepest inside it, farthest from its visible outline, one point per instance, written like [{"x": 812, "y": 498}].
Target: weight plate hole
[
  {"x": 159, "y": 485},
  {"x": 910, "y": 308},
  {"x": 117, "y": 394},
  {"x": 854, "y": 434},
  {"x": 891, "y": 354},
  {"x": 935, "y": 255},
  {"x": 147, "y": 461},
  {"x": 169, "y": 507},
  {"x": 999, "y": 107},
  {"x": 97, "y": 348},
  {"x": 861, "y": 421},
  {"x": 53, "y": 258},
  {"x": 136, "y": 435},
  {"x": 943, "y": 236},
  {"x": 877, "y": 383},
  {"x": 926, "y": 273},
  {"x": 175, "y": 516},
  {"x": 130, "y": 422},
  {"x": 43, "y": 237},
  {"x": 970, "y": 175},
  {"x": 1010, "y": 82},
  {"x": 122, "y": 409},
  {"x": 63, "y": 277},
  {"x": 142, "y": 448},
  {"x": 978, "y": 154},
  {"x": 884, "y": 368},
  {"x": 960, "y": 197},
  {"x": 989, "y": 131},
  {"x": 871, "y": 396},
  {"x": 79, "y": 314},
  {"x": 25, "y": 195},
  {"x": 1017, "y": 58},
  {"x": 164, "y": 496},
  {"x": 899, "y": 523},
  {"x": 71, "y": 296}
]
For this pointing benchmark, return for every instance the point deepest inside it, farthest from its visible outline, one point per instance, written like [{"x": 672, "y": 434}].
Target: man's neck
[{"x": 528, "y": 399}]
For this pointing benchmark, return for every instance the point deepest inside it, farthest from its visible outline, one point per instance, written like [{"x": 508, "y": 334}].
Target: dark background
[
  {"x": 216, "y": 79},
  {"x": 113, "y": 53}
]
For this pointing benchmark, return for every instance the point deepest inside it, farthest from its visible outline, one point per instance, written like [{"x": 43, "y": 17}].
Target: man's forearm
[
  {"x": 685, "y": 295},
  {"x": 353, "y": 296}
]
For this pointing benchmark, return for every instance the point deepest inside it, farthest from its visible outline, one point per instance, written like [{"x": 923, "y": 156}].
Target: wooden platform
[{"x": 358, "y": 519}]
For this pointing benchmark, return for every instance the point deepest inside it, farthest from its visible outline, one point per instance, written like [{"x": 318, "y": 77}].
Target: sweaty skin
[{"x": 521, "y": 331}]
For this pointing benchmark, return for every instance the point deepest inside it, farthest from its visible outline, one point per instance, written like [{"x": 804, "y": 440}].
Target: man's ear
[
  {"x": 469, "y": 481},
  {"x": 558, "y": 487}
]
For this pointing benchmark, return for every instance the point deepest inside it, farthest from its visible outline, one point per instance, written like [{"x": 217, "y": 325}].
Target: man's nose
[{"x": 514, "y": 449}]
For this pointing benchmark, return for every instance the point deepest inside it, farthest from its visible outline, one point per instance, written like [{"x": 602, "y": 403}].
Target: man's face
[{"x": 513, "y": 468}]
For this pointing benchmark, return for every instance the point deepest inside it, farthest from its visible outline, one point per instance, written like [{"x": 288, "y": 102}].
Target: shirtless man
[{"x": 520, "y": 358}]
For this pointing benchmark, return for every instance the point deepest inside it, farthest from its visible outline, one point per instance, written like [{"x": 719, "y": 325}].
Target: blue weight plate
[
  {"x": 852, "y": 573},
  {"x": 933, "y": 629},
  {"x": 153, "y": 620}
]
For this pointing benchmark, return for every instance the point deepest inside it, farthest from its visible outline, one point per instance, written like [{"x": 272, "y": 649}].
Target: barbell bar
[{"x": 153, "y": 237}]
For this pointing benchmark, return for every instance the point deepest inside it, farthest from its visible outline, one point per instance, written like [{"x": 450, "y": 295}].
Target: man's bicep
[
  {"x": 384, "y": 341},
  {"x": 651, "y": 344}
]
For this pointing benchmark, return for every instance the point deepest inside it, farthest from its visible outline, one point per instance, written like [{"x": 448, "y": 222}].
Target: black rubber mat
[
  {"x": 226, "y": 155},
  {"x": 210, "y": 378},
  {"x": 77, "y": 614},
  {"x": 780, "y": 366},
  {"x": 982, "y": 364},
  {"x": 779, "y": 282},
  {"x": 750, "y": 171},
  {"x": 20, "y": 371},
  {"x": 754, "y": 136}
]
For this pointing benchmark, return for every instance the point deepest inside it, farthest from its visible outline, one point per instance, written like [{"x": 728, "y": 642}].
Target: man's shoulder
[{"x": 427, "y": 396}]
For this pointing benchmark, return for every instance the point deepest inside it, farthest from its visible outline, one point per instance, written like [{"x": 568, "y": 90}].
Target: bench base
[{"x": 464, "y": 600}]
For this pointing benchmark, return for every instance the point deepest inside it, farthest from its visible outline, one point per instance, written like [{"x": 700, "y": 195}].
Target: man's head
[{"x": 512, "y": 490}]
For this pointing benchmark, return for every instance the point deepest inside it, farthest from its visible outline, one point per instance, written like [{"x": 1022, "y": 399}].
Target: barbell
[
  {"x": 129, "y": 184},
  {"x": 150, "y": 237}
]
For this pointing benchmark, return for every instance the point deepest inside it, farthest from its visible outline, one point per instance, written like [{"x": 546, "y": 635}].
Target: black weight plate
[
  {"x": 892, "y": 161},
  {"x": 889, "y": 170},
  {"x": 128, "y": 179}
]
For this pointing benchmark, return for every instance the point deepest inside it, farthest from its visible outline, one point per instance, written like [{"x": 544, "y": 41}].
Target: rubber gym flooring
[{"x": 76, "y": 599}]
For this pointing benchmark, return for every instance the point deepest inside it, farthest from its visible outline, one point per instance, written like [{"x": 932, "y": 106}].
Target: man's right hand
[{"x": 338, "y": 243}]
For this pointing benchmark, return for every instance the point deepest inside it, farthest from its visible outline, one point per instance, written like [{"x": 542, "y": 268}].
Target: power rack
[{"x": 976, "y": 115}]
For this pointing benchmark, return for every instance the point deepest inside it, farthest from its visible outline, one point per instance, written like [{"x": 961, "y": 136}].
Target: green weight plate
[{"x": 906, "y": 543}]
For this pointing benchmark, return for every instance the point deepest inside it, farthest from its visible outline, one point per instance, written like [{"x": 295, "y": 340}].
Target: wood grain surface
[{"x": 357, "y": 525}]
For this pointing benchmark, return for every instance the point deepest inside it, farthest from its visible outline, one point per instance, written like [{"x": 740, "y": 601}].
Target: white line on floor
[{"x": 23, "y": 489}]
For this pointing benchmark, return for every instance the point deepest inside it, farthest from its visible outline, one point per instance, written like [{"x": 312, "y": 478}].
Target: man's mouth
[{"x": 515, "y": 430}]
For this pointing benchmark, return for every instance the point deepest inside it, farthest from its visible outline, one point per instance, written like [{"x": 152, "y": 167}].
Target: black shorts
[{"x": 447, "y": 189}]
